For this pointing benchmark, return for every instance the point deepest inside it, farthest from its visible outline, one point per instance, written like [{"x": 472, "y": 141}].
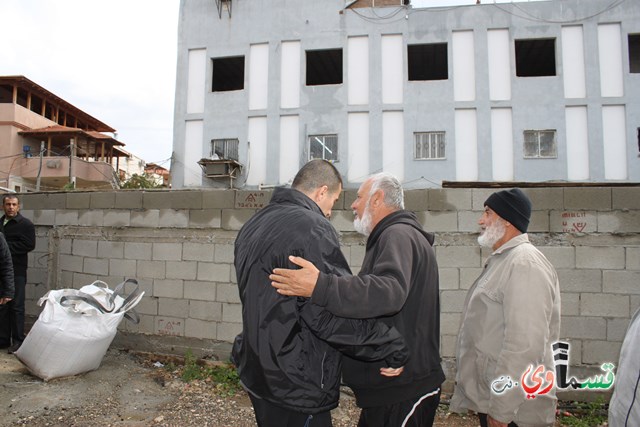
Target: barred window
[
  {"x": 540, "y": 144},
  {"x": 323, "y": 147},
  {"x": 430, "y": 145},
  {"x": 224, "y": 149}
]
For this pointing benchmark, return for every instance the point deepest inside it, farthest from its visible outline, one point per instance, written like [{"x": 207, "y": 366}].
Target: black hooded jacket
[
  {"x": 7, "y": 286},
  {"x": 398, "y": 283},
  {"x": 288, "y": 352}
]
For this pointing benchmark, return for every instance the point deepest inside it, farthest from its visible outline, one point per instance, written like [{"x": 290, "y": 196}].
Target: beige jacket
[{"x": 511, "y": 318}]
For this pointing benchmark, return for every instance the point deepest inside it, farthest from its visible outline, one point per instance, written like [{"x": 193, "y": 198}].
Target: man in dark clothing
[
  {"x": 287, "y": 354},
  {"x": 6, "y": 275},
  {"x": 21, "y": 238},
  {"x": 398, "y": 283}
]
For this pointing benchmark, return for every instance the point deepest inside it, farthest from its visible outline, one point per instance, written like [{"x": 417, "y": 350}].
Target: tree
[{"x": 140, "y": 181}]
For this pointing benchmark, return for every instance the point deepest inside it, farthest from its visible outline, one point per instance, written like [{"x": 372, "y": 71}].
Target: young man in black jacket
[
  {"x": 288, "y": 352},
  {"x": 398, "y": 283},
  {"x": 21, "y": 238},
  {"x": 6, "y": 275}
]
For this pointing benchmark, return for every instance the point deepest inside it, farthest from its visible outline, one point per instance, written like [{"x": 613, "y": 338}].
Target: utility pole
[{"x": 40, "y": 167}]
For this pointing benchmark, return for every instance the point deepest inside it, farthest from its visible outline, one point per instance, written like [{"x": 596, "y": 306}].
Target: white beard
[
  {"x": 363, "y": 225},
  {"x": 492, "y": 234}
]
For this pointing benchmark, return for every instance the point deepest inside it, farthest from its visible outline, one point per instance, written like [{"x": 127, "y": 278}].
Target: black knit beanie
[{"x": 513, "y": 206}]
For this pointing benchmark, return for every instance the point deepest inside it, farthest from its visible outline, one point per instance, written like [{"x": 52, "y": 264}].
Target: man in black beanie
[{"x": 510, "y": 319}]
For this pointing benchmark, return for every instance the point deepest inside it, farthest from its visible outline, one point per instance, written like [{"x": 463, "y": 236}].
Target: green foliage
[
  {"x": 140, "y": 181},
  {"x": 223, "y": 376},
  {"x": 585, "y": 414},
  {"x": 69, "y": 186}
]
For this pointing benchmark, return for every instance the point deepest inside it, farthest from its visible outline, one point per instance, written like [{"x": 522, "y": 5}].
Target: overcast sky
[{"x": 115, "y": 60}]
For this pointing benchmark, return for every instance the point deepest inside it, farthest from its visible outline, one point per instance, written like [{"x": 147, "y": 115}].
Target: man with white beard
[
  {"x": 510, "y": 320},
  {"x": 397, "y": 284}
]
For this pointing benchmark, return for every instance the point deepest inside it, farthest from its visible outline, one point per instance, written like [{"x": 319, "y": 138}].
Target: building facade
[{"x": 520, "y": 92}]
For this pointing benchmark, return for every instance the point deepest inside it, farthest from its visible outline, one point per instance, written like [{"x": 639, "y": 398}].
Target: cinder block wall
[{"x": 179, "y": 246}]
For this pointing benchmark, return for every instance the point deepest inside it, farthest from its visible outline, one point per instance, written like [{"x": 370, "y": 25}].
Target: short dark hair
[
  {"x": 315, "y": 174},
  {"x": 9, "y": 196}
]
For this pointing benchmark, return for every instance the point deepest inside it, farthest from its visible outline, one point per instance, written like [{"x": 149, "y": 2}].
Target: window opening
[
  {"x": 634, "y": 53},
  {"x": 540, "y": 144},
  {"x": 429, "y": 145},
  {"x": 228, "y": 74},
  {"x": 428, "y": 61},
  {"x": 224, "y": 149},
  {"x": 323, "y": 147},
  {"x": 6, "y": 94},
  {"x": 324, "y": 67},
  {"x": 535, "y": 57}
]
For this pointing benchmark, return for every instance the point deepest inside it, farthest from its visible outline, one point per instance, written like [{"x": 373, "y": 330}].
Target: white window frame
[
  {"x": 329, "y": 153},
  {"x": 429, "y": 145},
  {"x": 537, "y": 137}
]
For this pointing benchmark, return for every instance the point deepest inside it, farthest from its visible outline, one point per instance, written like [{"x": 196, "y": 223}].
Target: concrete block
[
  {"x": 87, "y": 248},
  {"x": 218, "y": 199},
  {"x": 339, "y": 204},
  {"x": 560, "y": 256},
  {"x": 468, "y": 221},
  {"x": 66, "y": 217},
  {"x": 539, "y": 222},
  {"x": 449, "y": 278},
  {"x": 205, "y": 310},
  {"x": 147, "y": 325},
  {"x": 103, "y": 200},
  {"x": 342, "y": 221},
  {"x": 625, "y": 198},
  {"x": 36, "y": 201},
  {"x": 468, "y": 276},
  {"x": 619, "y": 222},
  {"x": 148, "y": 218},
  {"x": 587, "y": 198},
  {"x": 600, "y": 257},
  {"x": 148, "y": 305},
  {"x": 252, "y": 199},
  {"x": 201, "y": 329},
  {"x": 479, "y": 196},
  {"x": 65, "y": 279},
  {"x": 234, "y": 219},
  {"x": 123, "y": 267},
  {"x": 173, "y": 307},
  {"x": 108, "y": 249},
  {"x": 438, "y": 221},
  {"x": 78, "y": 200},
  {"x": 228, "y": 293},
  {"x": 575, "y": 221},
  {"x": 621, "y": 282},
  {"x": 70, "y": 263},
  {"x": 214, "y": 272},
  {"x": 27, "y": 214},
  {"x": 580, "y": 280},
  {"x": 170, "y": 218},
  {"x": 452, "y": 301},
  {"x": 545, "y": 198},
  {"x": 450, "y": 323},
  {"x": 349, "y": 197},
  {"x": 197, "y": 251},
  {"x": 167, "y": 252},
  {"x": 186, "y": 270},
  {"x": 96, "y": 266},
  {"x": 232, "y": 312},
  {"x": 450, "y": 199},
  {"x": 599, "y": 352},
  {"x": 634, "y": 304},
  {"x": 91, "y": 218},
  {"x": 44, "y": 217},
  {"x": 458, "y": 256},
  {"x": 205, "y": 218},
  {"x": 184, "y": 199},
  {"x": 448, "y": 345},
  {"x": 581, "y": 327},
  {"x": 137, "y": 250},
  {"x": 155, "y": 199},
  {"x": 82, "y": 279},
  {"x": 416, "y": 200},
  {"x": 128, "y": 199},
  {"x": 52, "y": 201},
  {"x": 171, "y": 326},
  {"x": 117, "y": 218},
  {"x": 617, "y": 328},
  {"x": 150, "y": 269},
  {"x": 570, "y": 304},
  {"x": 223, "y": 253},
  {"x": 168, "y": 288},
  {"x": 42, "y": 245},
  {"x": 228, "y": 332},
  {"x": 633, "y": 258},
  {"x": 200, "y": 290},
  {"x": 606, "y": 305}
]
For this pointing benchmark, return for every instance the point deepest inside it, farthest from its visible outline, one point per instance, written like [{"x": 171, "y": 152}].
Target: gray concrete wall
[{"x": 179, "y": 246}]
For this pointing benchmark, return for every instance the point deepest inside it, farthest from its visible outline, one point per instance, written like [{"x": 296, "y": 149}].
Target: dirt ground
[{"x": 128, "y": 390}]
